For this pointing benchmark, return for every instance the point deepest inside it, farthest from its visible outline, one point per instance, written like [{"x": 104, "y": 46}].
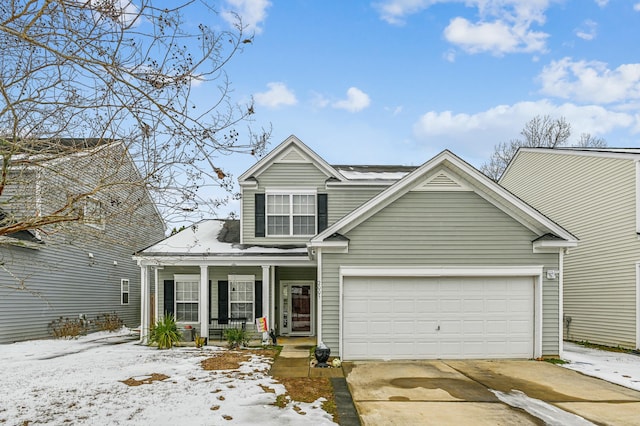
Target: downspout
[
  {"x": 319, "y": 299},
  {"x": 561, "y": 302}
]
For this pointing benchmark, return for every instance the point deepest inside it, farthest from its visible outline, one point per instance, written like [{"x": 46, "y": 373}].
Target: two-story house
[
  {"x": 377, "y": 262},
  {"x": 596, "y": 194},
  {"x": 81, "y": 266}
]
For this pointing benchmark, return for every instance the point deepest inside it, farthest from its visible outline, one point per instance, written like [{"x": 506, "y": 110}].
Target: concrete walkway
[{"x": 295, "y": 361}]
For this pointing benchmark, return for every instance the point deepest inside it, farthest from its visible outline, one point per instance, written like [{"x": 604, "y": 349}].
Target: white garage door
[{"x": 430, "y": 318}]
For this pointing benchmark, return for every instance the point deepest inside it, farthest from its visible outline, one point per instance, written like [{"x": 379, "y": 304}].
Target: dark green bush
[{"x": 164, "y": 332}]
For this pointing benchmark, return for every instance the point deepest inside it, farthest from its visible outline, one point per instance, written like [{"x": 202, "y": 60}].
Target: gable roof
[
  {"x": 448, "y": 172},
  {"x": 292, "y": 150}
]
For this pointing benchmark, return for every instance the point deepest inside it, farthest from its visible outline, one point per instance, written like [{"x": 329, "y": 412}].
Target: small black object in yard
[
  {"x": 322, "y": 353},
  {"x": 274, "y": 340}
]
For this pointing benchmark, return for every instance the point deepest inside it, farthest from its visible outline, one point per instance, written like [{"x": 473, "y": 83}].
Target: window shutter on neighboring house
[
  {"x": 257, "y": 307},
  {"x": 169, "y": 297},
  {"x": 323, "y": 214},
  {"x": 259, "y": 215},
  {"x": 223, "y": 302}
]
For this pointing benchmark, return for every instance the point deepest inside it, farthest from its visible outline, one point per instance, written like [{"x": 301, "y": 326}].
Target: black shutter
[
  {"x": 258, "y": 299},
  {"x": 259, "y": 215},
  {"x": 223, "y": 302},
  {"x": 323, "y": 213},
  {"x": 168, "y": 297}
]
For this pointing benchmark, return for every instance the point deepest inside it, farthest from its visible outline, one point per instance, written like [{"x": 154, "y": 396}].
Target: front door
[{"x": 297, "y": 304}]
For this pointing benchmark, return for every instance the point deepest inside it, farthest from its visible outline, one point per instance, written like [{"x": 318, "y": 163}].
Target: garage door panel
[
  {"x": 379, "y": 307},
  {"x": 420, "y": 318},
  {"x": 403, "y": 306}
]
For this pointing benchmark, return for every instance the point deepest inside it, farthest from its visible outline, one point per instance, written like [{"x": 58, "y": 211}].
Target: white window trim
[
  {"x": 122, "y": 292},
  {"x": 290, "y": 193},
  {"x": 234, "y": 278},
  {"x": 185, "y": 278}
]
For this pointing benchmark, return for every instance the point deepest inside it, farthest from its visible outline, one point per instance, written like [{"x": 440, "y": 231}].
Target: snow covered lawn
[
  {"x": 82, "y": 382},
  {"x": 615, "y": 367}
]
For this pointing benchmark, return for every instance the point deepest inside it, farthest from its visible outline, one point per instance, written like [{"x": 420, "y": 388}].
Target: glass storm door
[{"x": 297, "y": 302}]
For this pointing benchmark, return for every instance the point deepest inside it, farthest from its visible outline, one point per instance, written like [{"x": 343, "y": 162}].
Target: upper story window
[{"x": 291, "y": 214}]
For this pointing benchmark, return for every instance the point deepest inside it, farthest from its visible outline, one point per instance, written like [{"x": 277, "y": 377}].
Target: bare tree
[
  {"x": 541, "y": 132},
  {"x": 89, "y": 87}
]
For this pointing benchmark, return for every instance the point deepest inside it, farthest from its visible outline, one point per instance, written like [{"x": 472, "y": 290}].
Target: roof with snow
[{"x": 215, "y": 237}]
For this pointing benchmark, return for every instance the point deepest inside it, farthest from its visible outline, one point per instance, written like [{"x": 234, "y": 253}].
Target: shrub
[
  {"x": 109, "y": 322},
  {"x": 236, "y": 337},
  {"x": 68, "y": 327},
  {"x": 165, "y": 332}
]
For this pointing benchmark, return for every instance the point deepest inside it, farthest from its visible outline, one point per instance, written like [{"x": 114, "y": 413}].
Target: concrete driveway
[{"x": 501, "y": 392}]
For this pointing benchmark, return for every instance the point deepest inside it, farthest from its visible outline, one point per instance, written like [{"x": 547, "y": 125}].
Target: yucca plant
[{"x": 165, "y": 332}]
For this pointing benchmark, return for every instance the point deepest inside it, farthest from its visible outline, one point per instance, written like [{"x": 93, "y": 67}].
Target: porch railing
[{"x": 217, "y": 326}]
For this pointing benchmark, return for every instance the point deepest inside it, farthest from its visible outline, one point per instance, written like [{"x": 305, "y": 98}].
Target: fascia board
[
  {"x": 196, "y": 260},
  {"x": 552, "y": 246},
  {"x": 267, "y": 160}
]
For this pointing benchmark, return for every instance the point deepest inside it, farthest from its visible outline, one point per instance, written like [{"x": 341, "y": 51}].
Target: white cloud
[
  {"x": 504, "y": 122},
  {"x": 356, "y": 100},
  {"x": 252, "y": 12},
  {"x": 588, "y": 31},
  {"x": 278, "y": 95},
  {"x": 496, "y": 37},
  {"x": 602, "y": 3},
  {"x": 636, "y": 7},
  {"x": 504, "y": 26},
  {"x": 591, "y": 81}
]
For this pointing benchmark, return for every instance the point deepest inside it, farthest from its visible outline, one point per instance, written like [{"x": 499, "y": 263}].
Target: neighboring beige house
[
  {"x": 377, "y": 262},
  {"x": 595, "y": 194}
]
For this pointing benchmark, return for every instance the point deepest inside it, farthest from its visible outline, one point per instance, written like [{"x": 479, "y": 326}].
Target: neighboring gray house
[
  {"x": 84, "y": 269},
  {"x": 596, "y": 194},
  {"x": 377, "y": 262}
]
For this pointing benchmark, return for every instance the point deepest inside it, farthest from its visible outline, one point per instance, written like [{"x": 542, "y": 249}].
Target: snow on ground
[
  {"x": 615, "y": 367},
  {"x": 53, "y": 382}
]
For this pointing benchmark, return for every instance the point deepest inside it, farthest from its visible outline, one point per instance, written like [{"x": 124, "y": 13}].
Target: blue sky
[{"x": 397, "y": 81}]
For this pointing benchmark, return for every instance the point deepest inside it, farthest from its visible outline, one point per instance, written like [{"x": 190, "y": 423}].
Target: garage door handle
[{"x": 438, "y": 328}]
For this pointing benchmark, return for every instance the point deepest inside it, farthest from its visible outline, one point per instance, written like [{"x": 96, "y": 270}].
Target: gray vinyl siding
[
  {"x": 594, "y": 198},
  {"x": 424, "y": 229},
  {"x": 60, "y": 279}
]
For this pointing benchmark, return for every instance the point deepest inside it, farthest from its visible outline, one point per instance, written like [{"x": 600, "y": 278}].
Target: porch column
[
  {"x": 272, "y": 300},
  {"x": 266, "y": 286},
  {"x": 205, "y": 298},
  {"x": 145, "y": 303}
]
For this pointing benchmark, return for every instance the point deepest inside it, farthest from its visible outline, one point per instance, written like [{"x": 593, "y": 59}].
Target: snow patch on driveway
[{"x": 551, "y": 415}]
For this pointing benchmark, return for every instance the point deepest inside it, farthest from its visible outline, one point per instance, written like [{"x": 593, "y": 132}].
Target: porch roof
[{"x": 215, "y": 237}]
